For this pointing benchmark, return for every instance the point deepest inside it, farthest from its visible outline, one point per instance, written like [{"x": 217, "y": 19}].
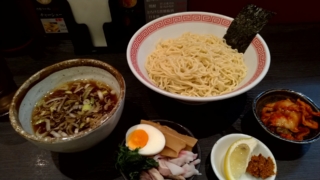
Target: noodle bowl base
[
  {"x": 191, "y": 102},
  {"x": 257, "y": 56}
]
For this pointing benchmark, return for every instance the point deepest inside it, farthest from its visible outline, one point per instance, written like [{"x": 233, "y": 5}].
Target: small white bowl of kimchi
[{"x": 288, "y": 115}]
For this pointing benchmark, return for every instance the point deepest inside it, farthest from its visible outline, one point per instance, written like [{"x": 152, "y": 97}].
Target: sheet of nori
[{"x": 250, "y": 20}]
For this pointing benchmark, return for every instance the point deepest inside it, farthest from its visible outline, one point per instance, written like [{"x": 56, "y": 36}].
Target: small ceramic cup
[{"x": 274, "y": 95}]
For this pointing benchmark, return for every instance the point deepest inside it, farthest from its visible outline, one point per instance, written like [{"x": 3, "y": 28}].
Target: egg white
[{"x": 156, "y": 141}]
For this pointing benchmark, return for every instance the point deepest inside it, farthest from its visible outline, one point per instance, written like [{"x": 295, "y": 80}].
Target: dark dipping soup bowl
[
  {"x": 46, "y": 80},
  {"x": 274, "y": 95},
  {"x": 180, "y": 129}
]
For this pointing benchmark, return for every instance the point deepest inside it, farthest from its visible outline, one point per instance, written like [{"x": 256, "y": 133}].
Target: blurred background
[{"x": 30, "y": 24}]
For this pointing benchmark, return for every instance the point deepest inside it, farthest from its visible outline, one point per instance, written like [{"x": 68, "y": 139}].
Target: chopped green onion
[
  {"x": 105, "y": 92},
  {"x": 68, "y": 92},
  {"x": 87, "y": 92},
  {"x": 82, "y": 124},
  {"x": 39, "y": 121},
  {"x": 86, "y": 107},
  {"x": 91, "y": 100}
]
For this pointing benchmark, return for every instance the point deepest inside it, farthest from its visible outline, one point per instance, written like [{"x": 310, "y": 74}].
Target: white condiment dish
[
  {"x": 35, "y": 87},
  {"x": 220, "y": 148}
]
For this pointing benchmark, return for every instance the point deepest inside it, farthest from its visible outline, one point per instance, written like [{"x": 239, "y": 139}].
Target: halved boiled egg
[{"x": 146, "y": 137}]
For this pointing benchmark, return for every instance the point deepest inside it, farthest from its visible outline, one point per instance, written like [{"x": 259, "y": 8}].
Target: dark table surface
[{"x": 295, "y": 64}]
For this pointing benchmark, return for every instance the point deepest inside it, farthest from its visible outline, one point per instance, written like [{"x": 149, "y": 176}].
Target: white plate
[{"x": 220, "y": 148}]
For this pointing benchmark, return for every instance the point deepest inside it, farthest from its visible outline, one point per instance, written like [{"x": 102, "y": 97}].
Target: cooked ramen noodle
[
  {"x": 196, "y": 65},
  {"x": 72, "y": 107}
]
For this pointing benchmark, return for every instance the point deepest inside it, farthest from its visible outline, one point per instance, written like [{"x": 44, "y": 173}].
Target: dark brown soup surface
[{"x": 72, "y": 107}]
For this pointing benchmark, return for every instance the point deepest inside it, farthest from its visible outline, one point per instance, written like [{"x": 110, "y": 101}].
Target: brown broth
[{"x": 82, "y": 116}]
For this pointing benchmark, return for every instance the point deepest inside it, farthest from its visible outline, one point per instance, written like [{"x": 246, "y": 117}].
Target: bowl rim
[
  {"x": 240, "y": 135},
  {"x": 34, "y": 79},
  {"x": 290, "y": 91},
  {"x": 244, "y": 88}
]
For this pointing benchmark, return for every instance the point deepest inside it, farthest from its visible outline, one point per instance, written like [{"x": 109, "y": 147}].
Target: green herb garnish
[{"x": 132, "y": 163}]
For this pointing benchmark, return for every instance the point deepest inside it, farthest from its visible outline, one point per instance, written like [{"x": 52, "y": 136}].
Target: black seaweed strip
[{"x": 246, "y": 26}]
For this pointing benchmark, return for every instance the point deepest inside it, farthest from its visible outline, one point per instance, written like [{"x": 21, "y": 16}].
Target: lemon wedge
[{"x": 237, "y": 157}]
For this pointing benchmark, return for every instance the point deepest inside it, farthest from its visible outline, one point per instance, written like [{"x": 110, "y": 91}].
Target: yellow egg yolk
[{"x": 137, "y": 139}]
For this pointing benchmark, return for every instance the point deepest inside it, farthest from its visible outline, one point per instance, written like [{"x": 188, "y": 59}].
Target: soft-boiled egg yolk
[
  {"x": 137, "y": 139},
  {"x": 146, "y": 137}
]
